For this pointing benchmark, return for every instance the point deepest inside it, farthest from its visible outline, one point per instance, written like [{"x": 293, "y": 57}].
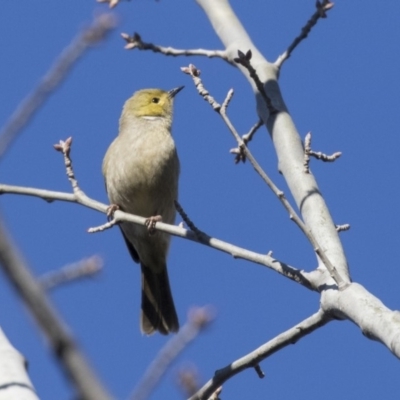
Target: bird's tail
[{"x": 158, "y": 309}]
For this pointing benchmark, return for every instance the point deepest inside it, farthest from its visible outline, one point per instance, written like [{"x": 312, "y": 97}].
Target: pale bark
[
  {"x": 14, "y": 379},
  {"x": 354, "y": 303}
]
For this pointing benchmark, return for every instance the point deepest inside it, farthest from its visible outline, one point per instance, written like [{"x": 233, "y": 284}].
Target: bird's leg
[
  {"x": 151, "y": 223},
  {"x": 111, "y": 210}
]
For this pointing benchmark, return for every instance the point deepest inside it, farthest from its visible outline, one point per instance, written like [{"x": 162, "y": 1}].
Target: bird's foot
[
  {"x": 151, "y": 223},
  {"x": 111, "y": 210}
]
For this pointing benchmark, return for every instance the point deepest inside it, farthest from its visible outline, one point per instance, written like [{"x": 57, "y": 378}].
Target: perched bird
[{"x": 141, "y": 171}]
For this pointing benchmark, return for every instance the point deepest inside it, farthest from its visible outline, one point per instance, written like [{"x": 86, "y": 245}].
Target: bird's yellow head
[{"x": 151, "y": 103}]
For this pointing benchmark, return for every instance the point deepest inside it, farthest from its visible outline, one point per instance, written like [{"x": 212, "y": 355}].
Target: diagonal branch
[
  {"x": 246, "y": 139},
  {"x": 322, "y": 8},
  {"x": 195, "y": 74},
  {"x": 61, "y": 341},
  {"x": 85, "y": 268},
  {"x": 252, "y": 359},
  {"x": 198, "y": 320},
  {"x": 286, "y": 140},
  {"x": 308, "y": 280},
  {"x": 98, "y": 31}
]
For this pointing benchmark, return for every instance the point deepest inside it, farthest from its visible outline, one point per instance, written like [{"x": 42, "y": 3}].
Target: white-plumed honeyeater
[{"x": 141, "y": 171}]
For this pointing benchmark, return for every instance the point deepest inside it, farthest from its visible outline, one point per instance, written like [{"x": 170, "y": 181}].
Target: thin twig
[
  {"x": 195, "y": 73},
  {"x": 259, "y": 371},
  {"x": 87, "y": 267},
  {"x": 187, "y": 220},
  {"x": 64, "y": 147},
  {"x": 246, "y": 139},
  {"x": 322, "y": 8},
  {"x": 198, "y": 320},
  {"x": 64, "y": 347},
  {"x": 135, "y": 42},
  {"x": 297, "y": 275},
  {"x": 103, "y": 227},
  {"x": 252, "y": 359},
  {"x": 244, "y": 59},
  {"x": 318, "y": 155},
  {"x": 325, "y": 157},
  {"x": 98, "y": 31},
  {"x": 343, "y": 228}
]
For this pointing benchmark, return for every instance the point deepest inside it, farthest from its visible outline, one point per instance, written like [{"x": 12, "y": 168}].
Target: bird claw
[
  {"x": 111, "y": 210},
  {"x": 151, "y": 223}
]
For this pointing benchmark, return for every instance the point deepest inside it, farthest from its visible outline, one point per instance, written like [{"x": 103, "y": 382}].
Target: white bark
[
  {"x": 14, "y": 380},
  {"x": 354, "y": 303}
]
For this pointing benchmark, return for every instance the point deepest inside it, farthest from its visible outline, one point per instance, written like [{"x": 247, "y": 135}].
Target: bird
[{"x": 141, "y": 171}]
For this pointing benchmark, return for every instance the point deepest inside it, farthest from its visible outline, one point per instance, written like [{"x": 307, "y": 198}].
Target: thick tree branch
[
  {"x": 287, "y": 142},
  {"x": 221, "y": 110},
  {"x": 14, "y": 378},
  {"x": 61, "y": 341},
  {"x": 252, "y": 359}
]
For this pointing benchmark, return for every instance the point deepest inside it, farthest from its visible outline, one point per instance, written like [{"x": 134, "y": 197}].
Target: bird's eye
[{"x": 155, "y": 100}]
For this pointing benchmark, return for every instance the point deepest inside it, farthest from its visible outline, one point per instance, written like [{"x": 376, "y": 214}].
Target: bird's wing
[{"x": 132, "y": 250}]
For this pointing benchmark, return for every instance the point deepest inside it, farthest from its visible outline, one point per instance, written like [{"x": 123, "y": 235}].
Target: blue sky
[{"x": 341, "y": 83}]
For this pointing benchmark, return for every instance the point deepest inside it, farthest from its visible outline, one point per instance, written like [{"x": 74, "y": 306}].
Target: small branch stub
[
  {"x": 343, "y": 227},
  {"x": 103, "y": 227},
  {"x": 259, "y": 371},
  {"x": 239, "y": 151},
  {"x": 318, "y": 155}
]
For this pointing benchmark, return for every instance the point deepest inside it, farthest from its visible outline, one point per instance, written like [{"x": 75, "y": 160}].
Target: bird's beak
[{"x": 173, "y": 92}]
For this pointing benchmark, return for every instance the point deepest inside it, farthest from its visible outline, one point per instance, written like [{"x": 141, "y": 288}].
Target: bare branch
[
  {"x": 252, "y": 359},
  {"x": 187, "y": 220},
  {"x": 64, "y": 347},
  {"x": 195, "y": 73},
  {"x": 322, "y": 8},
  {"x": 325, "y": 157},
  {"x": 299, "y": 276},
  {"x": 65, "y": 149},
  {"x": 98, "y": 31},
  {"x": 103, "y": 227},
  {"x": 198, "y": 320},
  {"x": 307, "y": 149},
  {"x": 318, "y": 155},
  {"x": 246, "y": 139},
  {"x": 342, "y": 228},
  {"x": 135, "y": 42},
  {"x": 87, "y": 267},
  {"x": 259, "y": 371},
  {"x": 244, "y": 59},
  {"x": 286, "y": 140},
  {"x": 14, "y": 378}
]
